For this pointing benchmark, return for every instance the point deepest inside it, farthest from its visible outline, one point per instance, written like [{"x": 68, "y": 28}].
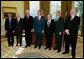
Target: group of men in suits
[
  {"x": 17, "y": 26},
  {"x": 58, "y": 26}
]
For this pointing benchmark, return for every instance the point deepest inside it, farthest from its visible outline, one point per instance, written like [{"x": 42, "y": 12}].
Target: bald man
[
  {"x": 18, "y": 29},
  {"x": 71, "y": 32},
  {"x": 28, "y": 25}
]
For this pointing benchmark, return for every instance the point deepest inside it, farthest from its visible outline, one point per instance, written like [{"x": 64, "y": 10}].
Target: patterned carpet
[
  {"x": 30, "y": 52},
  {"x": 32, "y": 55}
]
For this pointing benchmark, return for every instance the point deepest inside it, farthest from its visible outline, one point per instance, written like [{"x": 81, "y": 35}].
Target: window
[
  {"x": 79, "y": 6},
  {"x": 54, "y": 5},
  {"x": 34, "y": 6}
]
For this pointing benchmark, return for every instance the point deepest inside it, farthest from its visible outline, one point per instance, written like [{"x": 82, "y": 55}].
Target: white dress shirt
[
  {"x": 39, "y": 17},
  {"x": 48, "y": 22},
  {"x": 18, "y": 19},
  {"x": 72, "y": 17}
]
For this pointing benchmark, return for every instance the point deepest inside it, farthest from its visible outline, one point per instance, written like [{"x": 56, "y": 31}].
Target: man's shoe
[
  {"x": 45, "y": 48},
  {"x": 39, "y": 47},
  {"x": 26, "y": 46},
  {"x": 73, "y": 56},
  {"x": 12, "y": 45},
  {"x": 17, "y": 45},
  {"x": 58, "y": 50},
  {"x": 8, "y": 45},
  {"x": 35, "y": 46},
  {"x": 55, "y": 49},
  {"x": 65, "y": 52},
  {"x": 49, "y": 48}
]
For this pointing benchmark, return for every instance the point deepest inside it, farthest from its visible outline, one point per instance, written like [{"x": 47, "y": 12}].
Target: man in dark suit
[
  {"x": 38, "y": 25},
  {"x": 49, "y": 30},
  {"x": 71, "y": 32},
  {"x": 28, "y": 25},
  {"x": 9, "y": 28},
  {"x": 18, "y": 29},
  {"x": 58, "y": 31}
]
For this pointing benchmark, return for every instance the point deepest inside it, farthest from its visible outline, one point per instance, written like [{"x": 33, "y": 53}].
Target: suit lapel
[
  {"x": 38, "y": 18},
  {"x": 73, "y": 18}
]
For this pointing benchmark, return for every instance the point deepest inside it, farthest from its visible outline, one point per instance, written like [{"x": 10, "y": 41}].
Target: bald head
[
  {"x": 17, "y": 15},
  {"x": 27, "y": 12},
  {"x": 73, "y": 11}
]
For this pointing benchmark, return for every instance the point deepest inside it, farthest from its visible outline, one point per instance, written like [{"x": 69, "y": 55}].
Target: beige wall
[
  {"x": 73, "y": 4},
  {"x": 19, "y": 6}
]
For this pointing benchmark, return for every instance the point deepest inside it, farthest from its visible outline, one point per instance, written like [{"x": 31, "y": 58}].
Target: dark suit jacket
[
  {"x": 9, "y": 30},
  {"x": 38, "y": 25},
  {"x": 59, "y": 24},
  {"x": 28, "y": 23},
  {"x": 72, "y": 25},
  {"x": 51, "y": 28},
  {"x": 12, "y": 24},
  {"x": 19, "y": 26}
]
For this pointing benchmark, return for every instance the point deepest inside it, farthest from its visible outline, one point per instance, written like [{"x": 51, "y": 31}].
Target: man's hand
[
  {"x": 67, "y": 31},
  {"x": 42, "y": 31},
  {"x": 60, "y": 33},
  {"x": 23, "y": 31},
  {"x": 5, "y": 31},
  {"x": 13, "y": 31},
  {"x": 32, "y": 30}
]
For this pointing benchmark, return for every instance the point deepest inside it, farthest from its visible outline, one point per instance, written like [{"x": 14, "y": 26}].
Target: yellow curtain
[
  {"x": 65, "y": 6},
  {"x": 45, "y": 6},
  {"x": 26, "y": 6}
]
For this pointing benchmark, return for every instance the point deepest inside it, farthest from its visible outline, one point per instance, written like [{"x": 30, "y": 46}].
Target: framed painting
[{"x": 7, "y": 10}]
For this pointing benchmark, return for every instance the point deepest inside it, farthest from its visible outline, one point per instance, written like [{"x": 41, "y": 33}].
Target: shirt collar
[
  {"x": 18, "y": 18},
  {"x": 72, "y": 17},
  {"x": 9, "y": 18},
  {"x": 49, "y": 20}
]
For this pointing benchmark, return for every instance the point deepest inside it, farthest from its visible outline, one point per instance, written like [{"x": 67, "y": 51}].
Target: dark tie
[{"x": 37, "y": 19}]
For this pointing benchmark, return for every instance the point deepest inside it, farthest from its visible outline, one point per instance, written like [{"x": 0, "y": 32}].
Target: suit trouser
[
  {"x": 70, "y": 40},
  {"x": 28, "y": 36},
  {"x": 38, "y": 39},
  {"x": 48, "y": 40},
  {"x": 10, "y": 38},
  {"x": 19, "y": 38},
  {"x": 58, "y": 39}
]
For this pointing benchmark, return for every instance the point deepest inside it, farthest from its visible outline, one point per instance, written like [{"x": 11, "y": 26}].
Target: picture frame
[{"x": 7, "y": 10}]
